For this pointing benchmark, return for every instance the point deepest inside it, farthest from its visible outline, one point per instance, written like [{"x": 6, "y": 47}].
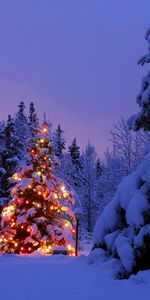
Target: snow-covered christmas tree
[
  {"x": 39, "y": 217},
  {"x": 123, "y": 229}
]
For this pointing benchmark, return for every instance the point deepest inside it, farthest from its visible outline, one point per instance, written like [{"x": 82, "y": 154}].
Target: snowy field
[{"x": 67, "y": 278}]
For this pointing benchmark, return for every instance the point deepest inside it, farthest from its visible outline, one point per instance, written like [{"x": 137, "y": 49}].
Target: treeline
[{"x": 94, "y": 179}]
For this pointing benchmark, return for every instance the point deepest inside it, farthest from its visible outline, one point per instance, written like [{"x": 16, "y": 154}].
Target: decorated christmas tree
[{"x": 39, "y": 216}]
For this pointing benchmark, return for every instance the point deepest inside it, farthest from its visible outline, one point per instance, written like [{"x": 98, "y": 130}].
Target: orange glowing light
[
  {"x": 45, "y": 129},
  {"x": 63, "y": 188},
  {"x": 65, "y": 195},
  {"x": 55, "y": 196},
  {"x": 69, "y": 247}
]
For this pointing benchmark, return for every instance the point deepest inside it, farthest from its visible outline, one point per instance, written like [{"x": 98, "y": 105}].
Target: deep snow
[{"x": 64, "y": 278}]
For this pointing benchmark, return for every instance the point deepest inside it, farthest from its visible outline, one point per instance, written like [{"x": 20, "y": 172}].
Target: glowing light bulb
[
  {"x": 63, "y": 188},
  {"x": 27, "y": 202},
  {"x": 29, "y": 186},
  {"x": 22, "y": 227},
  {"x": 28, "y": 229},
  {"x": 41, "y": 141},
  {"x": 33, "y": 152},
  {"x": 55, "y": 196},
  {"x": 16, "y": 244},
  {"x": 66, "y": 225},
  {"x": 29, "y": 249},
  {"x": 39, "y": 193},
  {"x": 12, "y": 224},
  {"x": 22, "y": 248},
  {"x": 39, "y": 173},
  {"x": 11, "y": 238},
  {"x": 45, "y": 129},
  {"x": 69, "y": 247},
  {"x": 65, "y": 195},
  {"x": 15, "y": 176}
]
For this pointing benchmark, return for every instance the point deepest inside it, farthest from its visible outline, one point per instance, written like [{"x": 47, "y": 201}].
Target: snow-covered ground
[{"x": 67, "y": 278}]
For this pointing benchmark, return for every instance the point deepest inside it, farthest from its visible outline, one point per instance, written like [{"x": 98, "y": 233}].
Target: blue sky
[{"x": 77, "y": 60}]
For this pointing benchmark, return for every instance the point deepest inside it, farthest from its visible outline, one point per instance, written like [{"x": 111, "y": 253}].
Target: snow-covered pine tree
[
  {"x": 32, "y": 120},
  {"x": 142, "y": 119},
  {"x": 59, "y": 142},
  {"x": 22, "y": 126},
  {"x": 74, "y": 151},
  {"x": 99, "y": 169},
  {"x": 40, "y": 215},
  {"x": 123, "y": 229},
  {"x": 9, "y": 158},
  {"x": 74, "y": 172},
  {"x": 88, "y": 194},
  {"x": 2, "y": 169}
]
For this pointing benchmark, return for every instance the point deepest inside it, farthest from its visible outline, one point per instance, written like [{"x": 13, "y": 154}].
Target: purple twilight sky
[{"x": 77, "y": 60}]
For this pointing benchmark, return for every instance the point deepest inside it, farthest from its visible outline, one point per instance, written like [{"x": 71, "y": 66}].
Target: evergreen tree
[
  {"x": 142, "y": 119},
  {"x": 75, "y": 167},
  {"x": 2, "y": 169},
  {"x": 40, "y": 215},
  {"x": 89, "y": 201},
  {"x": 22, "y": 127},
  {"x": 123, "y": 229},
  {"x": 59, "y": 142},
  {"x": 74, "y": 151},
  {"x": 33, "y": 119},
  {"x": 98, "y": 169},
  {"x": 10, "y": 156}
]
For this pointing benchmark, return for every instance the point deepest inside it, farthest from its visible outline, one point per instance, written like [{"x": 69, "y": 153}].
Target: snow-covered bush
[{"x": 123, "y": 229}]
